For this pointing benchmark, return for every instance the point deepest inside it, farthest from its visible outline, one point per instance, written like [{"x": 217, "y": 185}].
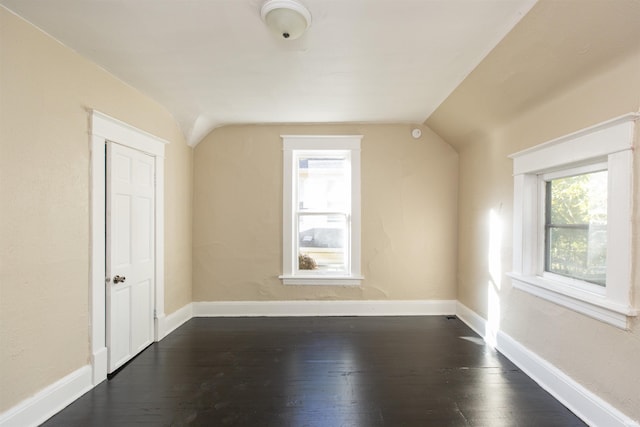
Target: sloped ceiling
[
  {"x": 213, "y": 62},
  {"x": 558, "y": 44}
]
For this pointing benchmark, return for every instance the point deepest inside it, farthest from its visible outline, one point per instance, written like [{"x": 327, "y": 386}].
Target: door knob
[{"x": 118, "y": 279}]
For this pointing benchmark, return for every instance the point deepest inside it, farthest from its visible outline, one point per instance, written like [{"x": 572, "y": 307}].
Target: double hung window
[
  {"x": 572, "y": 220},
  {"x": 321, "y": 210}
]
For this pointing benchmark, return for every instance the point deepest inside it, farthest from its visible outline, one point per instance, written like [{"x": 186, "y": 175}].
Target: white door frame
[{"x": 105, "y": 128}]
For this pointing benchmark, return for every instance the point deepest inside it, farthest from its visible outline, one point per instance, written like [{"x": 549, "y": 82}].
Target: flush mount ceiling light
[{"x": 287, "y": 19}]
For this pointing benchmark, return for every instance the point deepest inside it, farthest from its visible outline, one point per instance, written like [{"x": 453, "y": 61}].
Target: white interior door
[{"x": 130, "y": 254}]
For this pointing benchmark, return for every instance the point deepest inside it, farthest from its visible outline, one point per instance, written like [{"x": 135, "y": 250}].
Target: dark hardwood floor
[{"x": 322, "y": 371}]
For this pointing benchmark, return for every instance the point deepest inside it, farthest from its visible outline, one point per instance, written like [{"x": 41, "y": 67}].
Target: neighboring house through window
[
  {"x": 572, "y": 220},
  {"x": 321, "y": 210}
]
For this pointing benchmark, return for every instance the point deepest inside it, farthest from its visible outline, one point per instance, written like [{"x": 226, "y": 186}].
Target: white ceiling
[{"x": 213, "y": 62}]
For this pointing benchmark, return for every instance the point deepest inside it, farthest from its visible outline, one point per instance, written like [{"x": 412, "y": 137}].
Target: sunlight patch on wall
[{"x": 494, "y": 265}]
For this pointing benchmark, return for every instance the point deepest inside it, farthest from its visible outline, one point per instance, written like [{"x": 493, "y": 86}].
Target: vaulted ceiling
[
  {"x": 557, "y": 45},
  {"x": 213, "y": 62}
]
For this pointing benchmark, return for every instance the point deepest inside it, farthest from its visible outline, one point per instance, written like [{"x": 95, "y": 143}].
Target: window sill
[
  {"x": 593, "y": 305},
  {"x": 322, "y": 280}
]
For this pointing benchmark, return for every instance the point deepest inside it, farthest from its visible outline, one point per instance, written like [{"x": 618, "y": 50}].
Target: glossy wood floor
[{"x": 349, "y": 371}]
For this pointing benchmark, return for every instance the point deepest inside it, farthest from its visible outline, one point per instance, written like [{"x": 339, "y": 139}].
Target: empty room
[{"x": 319, "y": 213}]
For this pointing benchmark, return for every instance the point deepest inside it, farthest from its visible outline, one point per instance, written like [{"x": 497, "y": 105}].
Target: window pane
[
  {"x": 576, "y": 227},
  {"x": 323, "y": 184},
  {"x": 322, "y": 242},
  {"x": 579, "y": 253},
  {"x": 580, "y": 199}
]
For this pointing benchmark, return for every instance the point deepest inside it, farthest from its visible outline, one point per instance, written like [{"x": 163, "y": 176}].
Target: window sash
[
  {"x": 346, "y": 242},
  {"x": 299, "y": 155},
  {"x": 547, "y": 226},
  {"x": 575, "y": 280}
]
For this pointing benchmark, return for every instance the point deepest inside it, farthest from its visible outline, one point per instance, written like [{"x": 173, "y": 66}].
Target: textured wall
[
  {"x": 527, "y": 97},
  {"x": 44, "y": 210},
  {"x": 409, "y": 196},
  {"x": 178, "y": 211}
]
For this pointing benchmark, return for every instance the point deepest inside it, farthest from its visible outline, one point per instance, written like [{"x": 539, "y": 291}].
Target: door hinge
[{"x": 155, "y": 313}]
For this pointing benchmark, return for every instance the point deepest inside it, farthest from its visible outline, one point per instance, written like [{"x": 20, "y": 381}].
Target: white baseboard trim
[
  {"x": 99, "y": 362},
  {"x": 323, "y": 308},
  {"x": 48, "y": 401},
  {"x": 173, "y": 321},
  {"x": 472, "y": 319},
  {"x": 584, "y": 403}
]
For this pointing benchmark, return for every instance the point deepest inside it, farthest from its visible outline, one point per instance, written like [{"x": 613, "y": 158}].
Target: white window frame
[
  {"x": 608, "y": 145},
  {"x": 321, "y": 144}
]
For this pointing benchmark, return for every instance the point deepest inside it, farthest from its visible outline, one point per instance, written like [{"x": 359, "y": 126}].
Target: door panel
[
  {"x": 119, "y": 345},
  {"x": 130, "y": 254},
  {"x": 121, "y": 220},
  {"x": 141, "y": 322},
  {"x": 142, "y": 234}
]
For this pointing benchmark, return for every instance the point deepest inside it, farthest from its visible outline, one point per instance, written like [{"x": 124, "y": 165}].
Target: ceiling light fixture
[{"x": 288, "y": 19}]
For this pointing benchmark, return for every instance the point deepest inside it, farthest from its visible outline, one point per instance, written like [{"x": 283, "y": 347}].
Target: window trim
[
  {"x": 315, "y": 143},
  {"x": 610, "y": 142}
]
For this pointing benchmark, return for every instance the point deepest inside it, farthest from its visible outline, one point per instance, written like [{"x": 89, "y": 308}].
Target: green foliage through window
[{"x": 576, "y": 226}]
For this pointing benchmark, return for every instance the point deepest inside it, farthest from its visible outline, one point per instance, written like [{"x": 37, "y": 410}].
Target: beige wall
[
  {"x": 601, "y": 357},
  {"x": 46, "y": 90},
  {"x": 567, "y": 65},
  {"x": 409, "y": 193},
  {"x": 178, "y": 211}
]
